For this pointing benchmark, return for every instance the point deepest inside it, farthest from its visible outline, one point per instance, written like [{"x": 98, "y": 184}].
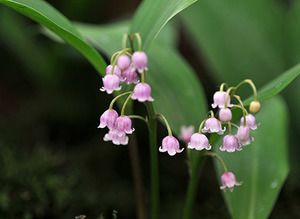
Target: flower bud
[{"x": 254, "y": 107}]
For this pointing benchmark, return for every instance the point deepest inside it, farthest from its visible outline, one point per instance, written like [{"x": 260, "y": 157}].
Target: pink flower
[
  {"x": 117, "y": 71},
  {"x": 171, "y": 145},
  {"x": 212, "y": 125},
  {"x": 123, "y": 62},
  {"x": 228, "y": 180},
  {"x": 142, "y": 92},
  {"x": 199, "y": 142},
  {"x": 110, "y": 83},
  {"x": 243, "y": 136},
  {"x": 130, "y": 76},
  {"x": 115, "y": 138},
  {"x": 219, "y": 100},
  {"x": 230, "y": 144},
  {"x": 186, "y": 133},
  {"x": 123, "y": 125},
  {"x": 225, "y": 115},
  {"x": 139, "y": 61},
  {"x": 108, "y": 118},
  {"x": 250, "y": 122}
]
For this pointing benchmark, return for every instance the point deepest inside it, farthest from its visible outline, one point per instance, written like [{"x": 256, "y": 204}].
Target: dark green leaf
[
  {"x": 45, "y": 14},
  {"x": 152, "y": 16}
]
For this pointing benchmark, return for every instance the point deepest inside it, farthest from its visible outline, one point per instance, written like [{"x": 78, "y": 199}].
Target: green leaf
[
  {"x": 152, "y": 16},
  {"x": 238, "y": 39},
  {"x": 262, "y": 166},
  {"x": 276, "y": 85},
  {"x": 43, "y": 13}
]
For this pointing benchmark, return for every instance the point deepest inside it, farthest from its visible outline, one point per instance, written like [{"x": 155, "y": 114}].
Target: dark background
[{"x": 53, "y": 161}]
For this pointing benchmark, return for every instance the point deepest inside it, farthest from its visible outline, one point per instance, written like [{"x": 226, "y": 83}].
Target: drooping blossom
[
  {"x": 171, "y": 145},
  {"x": 108, "y": 119},
  {"x": 199, "y": 142},
  {"x": 230, "y": 144},
  {"x": 115, "y": 138},
  {"x": 212, "y": 125},
  {"x": 116, "y": 72},
  {"x": 219, "y": 100},
  {"x": 111, "y": 83},
  {"x": 225, "y": 115},
  {"x": 229, "y": 181},
  {"x": 130, "y": 76},
  {"x": 250, "y": 122},
  {"x": 142, "y": 92},
  {"x": 186, "y": 132},
  {"x": 123, "y": 125},
  {"x": 243, "y": 135},
  {"x": 123, "y": 62},
  {"x": 139, "y": 61}
]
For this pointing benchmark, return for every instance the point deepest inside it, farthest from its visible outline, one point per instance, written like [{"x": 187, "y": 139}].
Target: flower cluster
[
  {"x": 129, "y": 67},
  {"x": 125, "y": 68},
  {"x": 231, "y": 142}
]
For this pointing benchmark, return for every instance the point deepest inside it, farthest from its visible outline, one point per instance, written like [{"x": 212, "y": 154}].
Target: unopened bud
[{"x": 255, "y": 107}]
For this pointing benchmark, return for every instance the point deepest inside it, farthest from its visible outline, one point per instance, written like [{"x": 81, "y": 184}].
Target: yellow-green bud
[{"x": 254, "y": 107}]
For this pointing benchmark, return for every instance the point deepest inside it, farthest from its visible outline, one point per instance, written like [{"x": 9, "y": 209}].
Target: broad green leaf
[
  {"x": 262, "y": 165},
  {"x": 276, "y": 85},
  {"x": 43, "y": 13},
  {"x": 152, "y": 16},
  {"x": 238, "y": 39}
]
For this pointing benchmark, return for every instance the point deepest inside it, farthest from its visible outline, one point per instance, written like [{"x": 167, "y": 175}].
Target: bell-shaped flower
[
  {"x": 108, "y": 119},
  {"x": 123, "y": 125},
  {"x": 130, "y": 76},
  {"x": 250, "y": 122},
  {"x": 199, "y": 142},
  {"x": 225, "y": 115},
  {"x": 229, "y": 181},
  {"x": 243, "y": 136},
  {"x": 171, "y": 145},
  {"x": 230, "y": 144},
  {"x": 212, "y": 125},
  {"x": 219, "y": 100},
  {"x": 139, "y": 61},
  {"x": 116, "y": 72},
  {"x": 115, "y": 138},
  {"x": 111, "y": 83},
  {"x": 123, "y": 62},
  {"x": 142, "y": 92},
  {"x": 186, "y": 133}
]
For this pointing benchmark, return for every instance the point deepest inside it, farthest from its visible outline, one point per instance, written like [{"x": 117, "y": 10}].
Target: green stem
[
  {"x": 250, "y": 82},
  {"x": 229, "y": 128},
  {"x": 222, "y": 86},
  {"x": 212, "y": 154},
  {"x": 138, "y": 117},
  {"x": 192, "y": 186},
  {"x": 124, "y": 41},
  {"x": 124, "y": 105},
  {"x": 245, "y": 112},
  {"x": 138, "y": 37},
  {"x": 227, "y": 95},
  {"x": 153, "y": 161},
  {"x": 200, "y": 126},
  {"x": 143, "y": 77},
  {"x": 116, "y": 98},
  {"x": 166, "y": 123}
]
